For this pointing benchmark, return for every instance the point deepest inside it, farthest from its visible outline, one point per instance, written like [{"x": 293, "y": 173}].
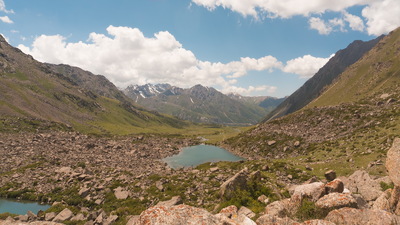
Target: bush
[{"x": 308, "y": 211}]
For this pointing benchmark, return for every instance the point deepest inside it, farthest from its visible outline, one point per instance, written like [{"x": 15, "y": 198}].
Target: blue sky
[{"x": 255, "y": 47}]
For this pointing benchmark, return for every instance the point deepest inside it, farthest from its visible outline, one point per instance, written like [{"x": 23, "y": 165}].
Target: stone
[
  {"x": 83, "y": 192},
  {"x": 394, "y": 198},
  {"x": 271, "y": 143},
  {"x": 296, "y": 144},
  {"x": 317, "y": 222},
  {"x": 382, "y": 202},
  {"x": 176, "y": 200},
  {"x": 229, "y": 211},
  {"x": 361, "y": 203},
  {"x": 50, "y": 216},
  {"x": 269, "y": 220},
  {"x": 330, "y": 175},
  {"x": 79, "y": 217},
  {"x": 334, "y": 186},
  {"x": 110, "y": 220},
  {"x": 100, "y": 218},
  {"x": 120, "y": 193},
  {"x": 313, "y": 191},
  {"x": 133, "y": 220},
  {"x": 361, "y": 216},
  {"x": 22, "y": 218},
  {"x": 238, "y": 181},
  {"x": 263, "y": 199},
  {"x": 177, "y": 215},
  {"x": 336, "y": 201},
  {"x": 393, "y": 162},
  {"x": 246, "y": 211},
  {"x": 360, "y": 182},
  {"x": 31, "y": 216},
  {"x": 66, "y": 214}
]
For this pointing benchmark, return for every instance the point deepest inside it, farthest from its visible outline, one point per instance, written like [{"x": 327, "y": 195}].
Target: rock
[
  {"x": 229, "y": 211},
  {"x": 66, "y": 214},
  {"x": 246, "y": 211},
  {"x": 78, "y": 217},
  {"x": 313, "y": 191},
  {"x": 296, "y": 144},
  {"x": 283, "y": 208},
  {"x": 65, "y": 170},
  {"x": 177, "y": 215},
  {"x": 239, "y": 181},
  {"x": 382, "y": 202},
  {"x": 336, "y": 201},
  {"x": 263, "y": 199},
  {"x": 361, "y": 216},
  {"x": 110, "y": 220},
  {"x": 317, "y": 222},
  {"x": 361, "y": 203},
  {"x": 83, "y": 192},
  {"x": 394, "y": 198},
  {"x": 360, "y": 182},
  {"x": 176, "y": 200},
  {"x": 274, "y": 220},
  {"x": 256, "y": 176},
  {"x": 100, "y": 218},
  {"x": 214, "y": 169},
  {"x": 393, "y": 162},
  {"x": 271, "y": 143},
  {"x": 330, "y": 175},
  {"x": 31, "y": 216},
  {"x": 133, "y": 220},
  {"x": 159, "y": 186},
  {"x": 22, "y": 218},
  {"x": 50, "y": 216},
  {"x": 120, "y": 193},
  {"x": 334, "y": 186}
]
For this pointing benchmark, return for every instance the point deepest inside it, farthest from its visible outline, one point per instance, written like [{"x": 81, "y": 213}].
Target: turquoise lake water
[
  {"x": 199, "y": 154},
  {"x": 20, "y": 207}
]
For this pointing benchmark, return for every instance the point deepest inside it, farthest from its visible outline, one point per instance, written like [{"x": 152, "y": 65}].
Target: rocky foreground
[{"x": 109, "y": 177}]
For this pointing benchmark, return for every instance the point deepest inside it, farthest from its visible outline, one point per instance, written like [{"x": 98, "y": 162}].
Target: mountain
[
  {"x": 35, "y": 94},
  {"x": 266, "y": 102},
  {"x": 198, "y": 104},
  {"x": 324, "y": 77},
  {"x": 350, "y": 126}
]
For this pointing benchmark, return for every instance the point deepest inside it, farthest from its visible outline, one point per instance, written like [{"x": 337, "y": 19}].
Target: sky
[{"x": 250, "y": 47}]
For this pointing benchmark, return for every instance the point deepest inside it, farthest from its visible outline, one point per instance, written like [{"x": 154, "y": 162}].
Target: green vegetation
[{"x": 308, "y": 211}]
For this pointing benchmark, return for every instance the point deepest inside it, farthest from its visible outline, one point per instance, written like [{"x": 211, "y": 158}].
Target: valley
[{"x": 71, "y": 139}]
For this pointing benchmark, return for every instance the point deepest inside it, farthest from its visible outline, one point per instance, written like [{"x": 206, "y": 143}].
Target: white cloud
[
  {"x": 6, "y": 19},
  {"x": 126, "y": 57},
  {"x": 382, "y": 16},
  {"x": 305, "y": 66},
  {"x": 321, "y": 26},
  {"x": 250, "y": 89},
  {"x": 3, "y": 7},
  {"x": 355, "y": 22}
]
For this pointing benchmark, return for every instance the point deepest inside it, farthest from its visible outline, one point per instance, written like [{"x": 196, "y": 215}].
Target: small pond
[
  {"x": 20, "y": 207},
  {"x": 199, "y": 154}
]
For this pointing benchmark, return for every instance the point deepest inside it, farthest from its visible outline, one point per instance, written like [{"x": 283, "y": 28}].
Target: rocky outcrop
[
  {"x": 336, "y": 201},
  {"x": 346, "y": 216},
  {"x": 361, "y": 182},
  {"x": 393, "y": 162}
]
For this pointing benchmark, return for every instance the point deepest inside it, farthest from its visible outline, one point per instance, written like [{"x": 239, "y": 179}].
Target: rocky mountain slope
[
  {"x": 35, "y": 94},
  {"x": 316, "y": 85},
  {"x": 200, "y": 104}
]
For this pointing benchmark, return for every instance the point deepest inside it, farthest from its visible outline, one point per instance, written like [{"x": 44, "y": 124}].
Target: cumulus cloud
[
  {"x": 381, "y": 15},
  {"x": 125, "y": 56},
  {"x": 321, "y": 26},
  {"x": 305, "y": 66},
  {"x": 6, "y": 19},
  {"x": 3, "y": 7}
]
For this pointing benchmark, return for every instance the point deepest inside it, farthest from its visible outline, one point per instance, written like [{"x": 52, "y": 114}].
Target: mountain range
[
  {"x": 202, "y": 104},
  {"x": 35, "y": 94}
]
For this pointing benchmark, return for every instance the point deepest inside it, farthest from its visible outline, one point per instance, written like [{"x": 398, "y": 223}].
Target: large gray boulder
[
  {"x": 393, "y": 162},
  {"x": 66, "y": 214},
  {"x": 237, "y": 182},
  {"x": 345, "y": 216},
  {"x": 360, "y": 182},
  {"x": 313, "y": 191},
  {"x": 336, "y": 201}
]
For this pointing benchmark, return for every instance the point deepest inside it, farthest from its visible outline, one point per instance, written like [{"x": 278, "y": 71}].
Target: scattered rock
[
  {"x": 120, "y": 193},
  {"x": 314, "y": 191},
  {"x": 50, "y": 216},
  {"x": 336, "y": 201},
  {"x": 330, "y": 175},
  {"x": 382, "y": 202},
  {"x": 176, "y": 200},
  {"x": 362, "y": 216},
  {"x": 334, "y": 186},
  {"x": 239, "y": 181},
  {"x": 271, "y": 143},
  {"x": 393, "y": 162},
  {"x": 66, "y": 214},
  {"x": 246, "y": 211},
  {"x": 275, "y": 220}
]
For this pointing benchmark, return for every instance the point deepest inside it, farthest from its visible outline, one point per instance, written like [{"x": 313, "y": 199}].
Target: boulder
[
  {"x": 133, "y": 220},
  {"x": 393, "y": 162},
  {"x": 176, "y": 200},
  {"x": 237, "y": 182},
  {"x": 49, "y": 216},
  {"x": 382, "y": 202},
  {"x": 313, "y": 191},
  {"x": 229, "y": 211},
  {"x": 177, "y": 215},
  {"x": 66, "y": 214},
  {"x": 334, "y": 186},
  {"x": 277, "y": 209},
  {"x": 79, "y": 217},
  {"x": 110, "y": 220},
  {"x": 120, "y": 193},
  {"x": 317, "y": 222},
  {"x": 361, "y": 216},
  {"x": 83, "y": 192},
  {"x": 275, "y": 220},
  {"x": 246, "y": 211},
  {"x": 394, "y": 198},
  {"x": 360, "y": 182},
  {"x": 330, "y": 175},
  {"x": 336, "y": 201}
]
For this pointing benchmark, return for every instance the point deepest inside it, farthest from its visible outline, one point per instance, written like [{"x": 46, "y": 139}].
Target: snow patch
[{"x": 191, "y": 100}]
